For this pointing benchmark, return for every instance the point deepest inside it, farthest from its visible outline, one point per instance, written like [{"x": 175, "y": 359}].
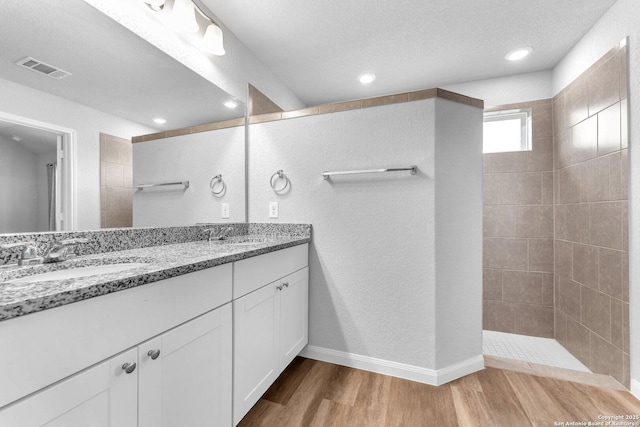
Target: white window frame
[{"x": 522, "y": 114}]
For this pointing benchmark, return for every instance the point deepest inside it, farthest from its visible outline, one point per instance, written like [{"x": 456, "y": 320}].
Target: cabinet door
[
  {"x": 102, "y": 396},
  {"x": 294, "y": 316},
  {"x": 185, "y": 374},
  {"x": 255, "y": 347}
]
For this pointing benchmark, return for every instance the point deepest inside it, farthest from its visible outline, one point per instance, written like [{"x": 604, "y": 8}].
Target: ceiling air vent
[{"x": 42, "y": 68}]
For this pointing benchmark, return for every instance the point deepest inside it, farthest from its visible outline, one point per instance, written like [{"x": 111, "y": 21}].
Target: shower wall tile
[
  {"x": 116, "y": 182},
  {"x": 534, "y": 221},
  {"x": 606, "y": 358},
  {"x": 584, "y": 140},
  {"x": 541, "y": 255},
  {"x": 594, "y": 180},
  {"x": 569, "y": 301},
  {"x": 522, "y": 189},
  {"x": 499, "y": 221},
  {"x": 585, "y": 265},
  {"x": 522, "y": 286},
  {"x": 578, "y": 341},
  {"x": 596, "y": 312},
  {"x": 604, "y": 85},
  {"x": 610, "y": 272},
  {"x": 591, "y": 217},
  {"x": 492, "y": 284},
  {"x": 518, "y": 191},
  {"x": 534, "y": 320},
  {"x": 609, "y": 130},
  {"x": 576, "y": 99},
  {"x": 616, "y": 323}
]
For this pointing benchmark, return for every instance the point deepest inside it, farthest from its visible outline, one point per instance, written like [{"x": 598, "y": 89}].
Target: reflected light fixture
[
  {"x": 155, "y": 5},
  {"x": 519, "y": 53},
  {"x": 212, "y": 41},
  {"x": 231, "y": 104},
  {"x": 183, "y": 18},
  {"x": 160, "y": 120},
  {"x": 366, "y": 78}
]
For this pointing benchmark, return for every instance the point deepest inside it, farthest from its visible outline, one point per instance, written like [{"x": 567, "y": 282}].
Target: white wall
[
  {"x": 88, "y": 123},
  {"x": 508, "y": 90},
  {"x": 19, "y": 195},
  {"x": 231, "y": 72},
  {"x": 620, "y": 21},
  {"x": 373, "y": 255},
  {"x": 458, "y": 205},
  {"x": 198, "y": 158}
]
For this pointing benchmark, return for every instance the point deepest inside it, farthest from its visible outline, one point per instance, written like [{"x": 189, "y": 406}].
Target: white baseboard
[
  {"x": 395, "y": 369},
  {"x": 635, "y": 388}
]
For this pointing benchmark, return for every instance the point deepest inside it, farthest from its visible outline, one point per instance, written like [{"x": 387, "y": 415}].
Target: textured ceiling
[{"x": 318, "y": 48}]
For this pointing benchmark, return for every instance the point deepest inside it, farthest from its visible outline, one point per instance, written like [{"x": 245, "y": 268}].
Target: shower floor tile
[{"x": 543, "y": 351}]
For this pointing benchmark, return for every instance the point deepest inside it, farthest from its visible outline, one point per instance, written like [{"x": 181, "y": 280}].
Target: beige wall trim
[
  {"x": 259, "y": 103},
  {"x": 368, "y": 102},
  {"x": 189, "y": 130}
]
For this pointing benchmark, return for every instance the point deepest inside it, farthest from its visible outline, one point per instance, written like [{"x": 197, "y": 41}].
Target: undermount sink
[{"x": 76, "y": 273}]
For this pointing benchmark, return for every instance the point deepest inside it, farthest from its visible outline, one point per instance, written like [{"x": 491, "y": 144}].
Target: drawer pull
[
  {"x": 129, "y": 367},
  {"x": 153, "y": 354}
]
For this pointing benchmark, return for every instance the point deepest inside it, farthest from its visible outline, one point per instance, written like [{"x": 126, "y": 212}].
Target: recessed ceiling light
[
  {"x": 366, "y": 78},
  {"x": 16, "y": 138},
  {"x": 519, "y": 53},
  {"x": 231, "y": 104},
  {"x": 160, "y": 120}
]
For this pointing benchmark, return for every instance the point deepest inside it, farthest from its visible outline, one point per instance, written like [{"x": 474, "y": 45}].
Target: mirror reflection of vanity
[{"x": 118, "y": 84}]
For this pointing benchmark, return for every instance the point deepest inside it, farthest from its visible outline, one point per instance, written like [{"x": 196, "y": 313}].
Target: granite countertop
[{"x": 159, "y": 262}]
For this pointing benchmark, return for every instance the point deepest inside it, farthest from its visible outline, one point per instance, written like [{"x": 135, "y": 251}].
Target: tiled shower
[{"x": 556, "y": 223}]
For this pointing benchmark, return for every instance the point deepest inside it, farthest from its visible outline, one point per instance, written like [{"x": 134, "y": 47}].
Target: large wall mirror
[{"x": 70, "y": 77}]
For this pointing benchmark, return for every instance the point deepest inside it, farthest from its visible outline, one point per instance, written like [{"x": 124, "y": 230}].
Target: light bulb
[
  {"x": 366, "y": 78},
  {"x": 212, "y": 41},
  {"x": 518, "y": 54},
  {"x": 183, "y": 17}
]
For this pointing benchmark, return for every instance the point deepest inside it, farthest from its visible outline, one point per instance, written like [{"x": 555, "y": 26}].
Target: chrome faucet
[
  {"x": 63, "y": 250},
  {"x": 221, "y": 235},
  {"x": 28, "y": 252}
]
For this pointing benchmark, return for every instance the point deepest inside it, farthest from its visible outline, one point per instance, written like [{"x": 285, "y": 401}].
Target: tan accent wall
[
  {"x": 518, "y": 232},
  {"x": 591, "y": 217},
  {"x": 116, "y": 182},
  {"x": 259, "y": 103}
]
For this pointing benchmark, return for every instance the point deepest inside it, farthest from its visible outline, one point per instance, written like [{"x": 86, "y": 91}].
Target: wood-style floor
[{"x": 313, "y": 393}]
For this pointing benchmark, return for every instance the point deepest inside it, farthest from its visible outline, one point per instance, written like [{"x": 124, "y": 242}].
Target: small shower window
[{"x": 507, "y": 130}]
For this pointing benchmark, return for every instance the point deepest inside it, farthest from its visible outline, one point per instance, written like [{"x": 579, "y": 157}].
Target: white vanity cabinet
[
  {"x": 69, "y": 350},
  {"x": 102, "y": 396},
  {"x": 184, "y": 376},
  {"x": 270, "y": 321}
]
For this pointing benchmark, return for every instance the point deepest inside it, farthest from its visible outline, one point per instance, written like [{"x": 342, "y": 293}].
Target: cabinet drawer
[
  {"x": 47, "y": 346},
  {"x": 253, "y": 273}
]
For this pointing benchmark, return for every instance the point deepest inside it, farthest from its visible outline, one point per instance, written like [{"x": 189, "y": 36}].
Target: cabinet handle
[
  {"x": 279, "y": 287},
  {"x": 153, "y": 354},
  {"x": 285, "y": 284},
  {"x": 129, "y": 367}
]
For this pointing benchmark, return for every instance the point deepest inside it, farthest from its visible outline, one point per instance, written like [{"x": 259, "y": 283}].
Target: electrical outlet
[
  {"x": 225, "y": 211},
  {"x": 273, "y": 209}
]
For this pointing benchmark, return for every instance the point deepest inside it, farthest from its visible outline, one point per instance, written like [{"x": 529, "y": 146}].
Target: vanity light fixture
[
  {"x": 366, "y": 78},
  {"x": 155, "y": 5},
  {"x": 231, "y": 104},
  {"x": 160, "y": 120},
  {"x": 519, "y": 53},
  {"x": 186, "y": 17},
  {"x": 183, "y": 17}
]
